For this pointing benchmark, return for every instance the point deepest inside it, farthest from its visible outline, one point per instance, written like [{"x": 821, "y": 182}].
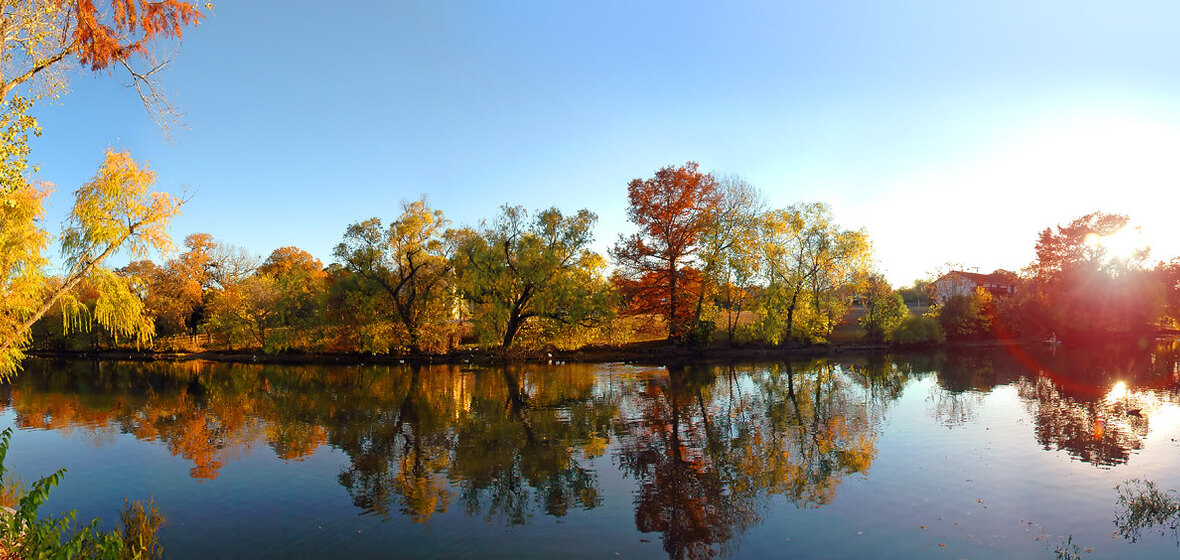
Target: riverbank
[{"x": 646, "y": 352}]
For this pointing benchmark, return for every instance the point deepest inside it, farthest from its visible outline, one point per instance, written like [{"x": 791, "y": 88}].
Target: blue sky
[{"x": 950, "y": 132}]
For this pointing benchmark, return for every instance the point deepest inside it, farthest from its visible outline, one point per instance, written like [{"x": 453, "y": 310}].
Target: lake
[{"x": 974, "y": 453}]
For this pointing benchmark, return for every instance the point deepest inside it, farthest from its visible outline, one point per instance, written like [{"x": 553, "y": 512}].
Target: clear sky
[{"x": 950, "y": 131}]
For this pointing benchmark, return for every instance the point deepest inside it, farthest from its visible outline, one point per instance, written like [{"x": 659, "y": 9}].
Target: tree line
[
  {"x": 1077, "y": 289},
  {"x": 708, "y": 262},
  {"x": 706, "y": 252}
]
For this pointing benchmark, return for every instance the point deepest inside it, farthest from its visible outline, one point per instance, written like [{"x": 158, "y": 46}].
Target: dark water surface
[{"x": 971, "y": 454}]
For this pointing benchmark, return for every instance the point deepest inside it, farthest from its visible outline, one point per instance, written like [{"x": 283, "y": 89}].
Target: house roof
[{"x": 978, "y": 278}]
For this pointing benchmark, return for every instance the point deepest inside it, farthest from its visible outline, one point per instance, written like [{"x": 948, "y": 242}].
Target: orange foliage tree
[
  {"x": 40, "y": 37},
  {"x": 1079, "y": 288},
  {"x": 656, "y": 272}
]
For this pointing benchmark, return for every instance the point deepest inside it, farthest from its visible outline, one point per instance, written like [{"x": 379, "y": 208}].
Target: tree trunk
[
  {"x": 791, "y": 314},
  {"x": 673, "y": 331},
  {"x": 514, "y": 323}
]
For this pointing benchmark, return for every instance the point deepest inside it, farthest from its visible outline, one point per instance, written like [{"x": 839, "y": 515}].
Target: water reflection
[
  {"x": 709, "y": 448},
  {"x": 1096, "y": 405}
]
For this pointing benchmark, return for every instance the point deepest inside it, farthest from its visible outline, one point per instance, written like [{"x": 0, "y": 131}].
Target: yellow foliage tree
[
  {"x": 115, "y": 210},
  {"x": 39, "y": 41}
]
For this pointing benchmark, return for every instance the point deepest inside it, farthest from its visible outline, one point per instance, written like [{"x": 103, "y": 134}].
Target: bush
[
  {"x": 918, "y": 330},
  {"x": 884, "y": 312},
  {"x": 967, "y": 316},
  {"x": 25, "y": 535}
]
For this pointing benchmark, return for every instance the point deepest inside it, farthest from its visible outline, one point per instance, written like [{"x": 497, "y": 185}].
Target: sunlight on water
[{"x": 1119, "y": 391}]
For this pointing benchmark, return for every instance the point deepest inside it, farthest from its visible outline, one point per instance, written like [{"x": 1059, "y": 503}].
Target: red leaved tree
[{"x": 655, "y": 271}]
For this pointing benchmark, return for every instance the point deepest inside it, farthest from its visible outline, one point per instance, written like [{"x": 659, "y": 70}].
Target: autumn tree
[
  {"x": 658, "y": 270},
  {"x": 1081, "y": 287},
  {"x": 272, "y": 308},
  {"x": 812, "y": 268},
  {"x": 408, "y": 267},
  {"x": 884, "y": 309},
  {"x": 176, "y": 290},
  {"x": 967, "y": 315},
  {"x": 521, "y": 271},
  {"x": 243, "y": 312},
  {"x": 115, "y": 210},
  {"x": 730, "y": 253},
  {"x": 39, "y": 41},
  {"x": 1069, "y": 249},
  {"x": 42, "y": 39},
  {"x": 302, "y": 287}
]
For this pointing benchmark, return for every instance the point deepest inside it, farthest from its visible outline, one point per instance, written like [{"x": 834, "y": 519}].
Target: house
[{"x": 958, "y": 282}]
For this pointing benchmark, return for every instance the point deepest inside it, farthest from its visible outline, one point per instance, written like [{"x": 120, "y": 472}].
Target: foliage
[
  {"x": 1078, "y": 287},
  {"x": 918, "y": 330},
  {"x": 812, "y": 269},
  {"x": 31, "y": 536},
  {"x": 116, "y": 209},
  {"x": 105, "y": 305},
  {"x": 40, "y": 39},
  {"x": 964, "y": 316},
  {"x": 884, "y": 310},
  {"x": 655, "y": 267},
  {"x": 359, "y": 315},
  {"x": 301, "y": 285},
  {"x": 43, "y": 37},
  {"x": 408, "y": 269},
  {"x": 521, "y": 272},
  {"x": 243, "y": 312},
  {"x": 730, "y": 256},
  {"x": 1144, "y": 506},
  {"x": 21, "y": 239},
  {"x": 276, "y": 307}
]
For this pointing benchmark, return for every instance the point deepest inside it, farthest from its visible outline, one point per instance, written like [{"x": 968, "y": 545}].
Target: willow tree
[
  {"x": 537, "y": 270},
  {"x": 40, "y": 41},
  {"x": 404, "y": 269},
  {"x": 116, "y": 210}
]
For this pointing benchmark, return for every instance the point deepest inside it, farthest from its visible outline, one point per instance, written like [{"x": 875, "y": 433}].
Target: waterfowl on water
[{"x": 1134, "y": 411}]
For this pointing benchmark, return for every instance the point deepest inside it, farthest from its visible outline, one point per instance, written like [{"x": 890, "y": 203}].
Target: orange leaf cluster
[
  {"x": 102, "y": 39},
  {"x": 673, "y": 210}
]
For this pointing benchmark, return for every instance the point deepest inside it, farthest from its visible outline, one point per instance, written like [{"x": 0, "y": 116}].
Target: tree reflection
[
  {"x": 520, "y": 441},
  {"x": 682, "y": 466},
  {"x": 1068, "y": 394},
  {"x": 394, "y": 430},
  {"x": 823, "y": 431},
  {"x": 709, "y": 448}
]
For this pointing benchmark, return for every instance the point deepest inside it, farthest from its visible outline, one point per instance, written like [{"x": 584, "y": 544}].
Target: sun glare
[
  {"x": 1125, "y": 244},
  {"x": 1117, "y": 392}
]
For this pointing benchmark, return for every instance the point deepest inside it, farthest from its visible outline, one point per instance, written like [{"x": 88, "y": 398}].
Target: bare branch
[{"x": 161, "y": 109}]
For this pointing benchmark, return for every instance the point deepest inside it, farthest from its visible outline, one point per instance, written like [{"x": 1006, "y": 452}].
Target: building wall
[{"x": 952, "y": 285}]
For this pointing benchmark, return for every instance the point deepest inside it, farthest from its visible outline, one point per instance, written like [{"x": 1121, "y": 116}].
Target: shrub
[
  {"x": 23, "y": 534},
  {"x": 918, "y": 330}
]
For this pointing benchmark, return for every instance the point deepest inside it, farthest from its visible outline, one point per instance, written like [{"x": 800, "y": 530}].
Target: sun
[{"x": 1127, "y": 244}]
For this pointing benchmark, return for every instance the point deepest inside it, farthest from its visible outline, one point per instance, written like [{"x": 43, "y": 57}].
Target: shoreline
[{"x": 645, "y": 353}]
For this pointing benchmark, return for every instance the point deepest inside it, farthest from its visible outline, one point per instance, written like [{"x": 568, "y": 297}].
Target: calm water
[{"x": 976, "y": 454}]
